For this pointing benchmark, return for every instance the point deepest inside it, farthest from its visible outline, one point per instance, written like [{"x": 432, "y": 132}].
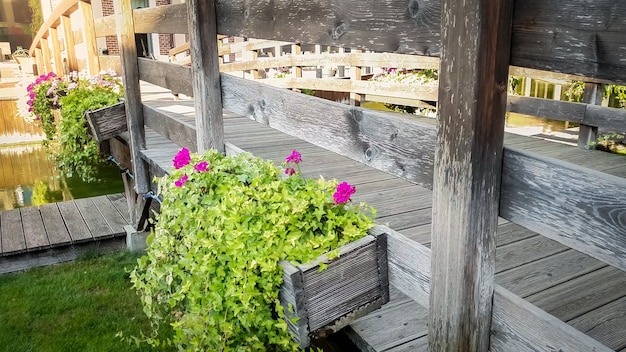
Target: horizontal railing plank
[
  {"x": 178, "y": 131},
  {"x": 588, "y": 114},
  {"x": 167, "y": 75},
  {"x": 581, "y": 208},
  {"x": 517, "y": 325},
  {"x": 393, "y": 89},
  {"x": 382, "y": 140}
]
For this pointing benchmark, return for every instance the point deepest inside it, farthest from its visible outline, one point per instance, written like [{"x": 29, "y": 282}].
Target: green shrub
[{"x": 212, "y": 267}]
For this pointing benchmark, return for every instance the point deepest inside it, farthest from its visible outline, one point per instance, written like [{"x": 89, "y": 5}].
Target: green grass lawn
[{"x": 78, "y": 306}]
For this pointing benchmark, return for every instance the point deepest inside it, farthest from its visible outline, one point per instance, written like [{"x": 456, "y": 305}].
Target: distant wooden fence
[{"x": 407, "y": 148}]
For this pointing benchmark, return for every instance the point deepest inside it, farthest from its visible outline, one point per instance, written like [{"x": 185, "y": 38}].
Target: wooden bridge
[
  {"x": 57, "y": 232},
  {"x": 528, "y": 238}
]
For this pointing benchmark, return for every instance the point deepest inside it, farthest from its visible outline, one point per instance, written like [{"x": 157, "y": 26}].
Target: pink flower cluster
[
  {"x": 296, "y": 158},
  {"x": 182, "y": 159},
  {"x": 343, "y": 192},
  {"x": 32, "y": 89}
]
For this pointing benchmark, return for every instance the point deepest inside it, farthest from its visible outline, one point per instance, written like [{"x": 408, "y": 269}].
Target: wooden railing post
[
  {"x": 56, "y": 51},
  {"x": 132, "y": 93},
  {"x": 588, "y": 134},
  {"x": 355, "y": 74},
  {"x": 45, "y": 49},
  {"x": 39, "y": 57},
  {"x": 476, "y": 39},
  {"x": 70, "y": 49},
  {"x": 207, "y": 91},
  {"x": 89, "y": 37}
]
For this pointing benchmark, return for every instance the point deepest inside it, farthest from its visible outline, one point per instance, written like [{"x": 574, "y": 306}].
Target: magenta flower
[
  {"x": 294, "y": 157},
  {"x": 181, "y": 181},
  {"x": 202, "y": 166},
  {"x": 343, "y": 192},
  {"x": 182, "y": 158},
  {"x": 290, "y": 171}
]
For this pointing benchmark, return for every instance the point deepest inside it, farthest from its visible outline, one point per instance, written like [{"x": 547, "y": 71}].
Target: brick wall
[
  {"x": 165, "y": 40},
  {"x": 112, "y": 46}
]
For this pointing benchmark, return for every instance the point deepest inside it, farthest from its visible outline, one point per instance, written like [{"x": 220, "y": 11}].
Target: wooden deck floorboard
[{"x": 48, "y": 226}]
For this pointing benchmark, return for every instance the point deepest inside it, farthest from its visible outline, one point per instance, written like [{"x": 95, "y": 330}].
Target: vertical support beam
[
  {"x": 207, "y": 92},
  {"x": 89, "y": 37},
  {"x": 39, "y": 57},
  {"x": 45, "y": 49},
  {"x": 132, "y": 94},
  {"x": 355, "y": 74},
  {"x": 296, "y": 49},
  {"x": 70, "y": 45},
  {"x": 587, "y": 134},
  {"x": 56, "y": 51},
  {"x": 476, "y": 40}
]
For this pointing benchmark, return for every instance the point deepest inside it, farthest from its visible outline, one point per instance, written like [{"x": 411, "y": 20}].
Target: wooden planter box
[
  {"x": 107, "y": 122},
  {"x": 317, "y": 303}
]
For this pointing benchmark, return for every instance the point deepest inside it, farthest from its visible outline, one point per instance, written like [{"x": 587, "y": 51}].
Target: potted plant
[
  {"x": 224, "y": 261},
  {"x": 58, "y": 106}
]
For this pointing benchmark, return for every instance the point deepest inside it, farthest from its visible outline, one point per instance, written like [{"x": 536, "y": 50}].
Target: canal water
[{"x": 28, "y": 175}]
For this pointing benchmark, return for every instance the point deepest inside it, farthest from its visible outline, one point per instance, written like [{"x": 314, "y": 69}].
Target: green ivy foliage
[
  {"x": 78, "y": 152},
  {"x": 67, "y": 137},
  {"x": 212, "y": 270}
]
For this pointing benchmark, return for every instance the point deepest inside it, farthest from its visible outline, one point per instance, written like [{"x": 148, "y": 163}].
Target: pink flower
[
  {"x": 290, "y": 171},
  {"x": 202, "y": 166},
  {"x": 182, "y": 158},
  {"x": 294, "y": 157},
  {"x": 181, "y": 181},
  {"x": 343, "y": 192}
]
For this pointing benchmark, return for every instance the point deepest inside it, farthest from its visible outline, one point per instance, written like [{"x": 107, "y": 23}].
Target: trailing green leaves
[{"x": 211, "y": 271}]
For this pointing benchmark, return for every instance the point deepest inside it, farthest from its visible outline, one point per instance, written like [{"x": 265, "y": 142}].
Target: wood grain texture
[
  {"x": 94, "y": 220},
  {"x": 107, "y": 122},
  {"x": 89, "y": 35},
  {"x": 132, "y": 94},
  {"x": 381, "y": 140},
  {"x": 205, "y": 74},
  {"x": 45, "y": 49},
  {"x": 476, "y": 39},
  {"x": 167, "y": 75},
  {"x": 519, "y": 326},
  {"x": 56, "y": 50},
  {"x": 34, "y": 230},
  {"x": 566, "y": 203},
  {"x": 55, "y": 227},
  {"x": 166, "y": 124},
  {"x": 74, "y": 222},
  {"x": 111, "y": 215},
  {"x": 599, "y": 323},
  {"x": 571, "y": 36},
  {"x": 582, "y": 294},
  {"x": 12, "y": 232},
  {"x": 293, "y": 300},
  {"x": 69, "y": 43}
]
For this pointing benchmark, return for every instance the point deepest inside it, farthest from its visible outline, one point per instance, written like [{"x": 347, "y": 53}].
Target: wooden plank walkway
[
  {"x": 574, "y": 287},
  {"x": 32, "y": 232}
]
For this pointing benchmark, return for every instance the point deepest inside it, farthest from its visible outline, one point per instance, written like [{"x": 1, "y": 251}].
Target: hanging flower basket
[{"x": 107, "y": 122}]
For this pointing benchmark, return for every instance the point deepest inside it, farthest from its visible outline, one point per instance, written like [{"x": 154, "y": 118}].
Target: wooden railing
[{"x": 403, "y": 147}]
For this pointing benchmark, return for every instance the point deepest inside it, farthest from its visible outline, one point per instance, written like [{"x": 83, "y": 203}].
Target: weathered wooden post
[
  {"x": 89, "y": 37},
  {"x": 134, "y": 108},
  {"x": 473, "y": 77},
  {"x": 53, "y": 33},
  {"x": 39, "y": 57},
  {"x": 207, "y": 91},
  {"x": 355, "y": 74},
  {"x": 591, "y": 95},
  {"x": 45, "y": 49},
  {"x": 69, "y": 43}
]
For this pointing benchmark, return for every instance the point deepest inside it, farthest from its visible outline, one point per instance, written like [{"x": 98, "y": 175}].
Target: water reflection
[
  {"x": 28, "y": 175},
  {"x": 13, "y": 128}
]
